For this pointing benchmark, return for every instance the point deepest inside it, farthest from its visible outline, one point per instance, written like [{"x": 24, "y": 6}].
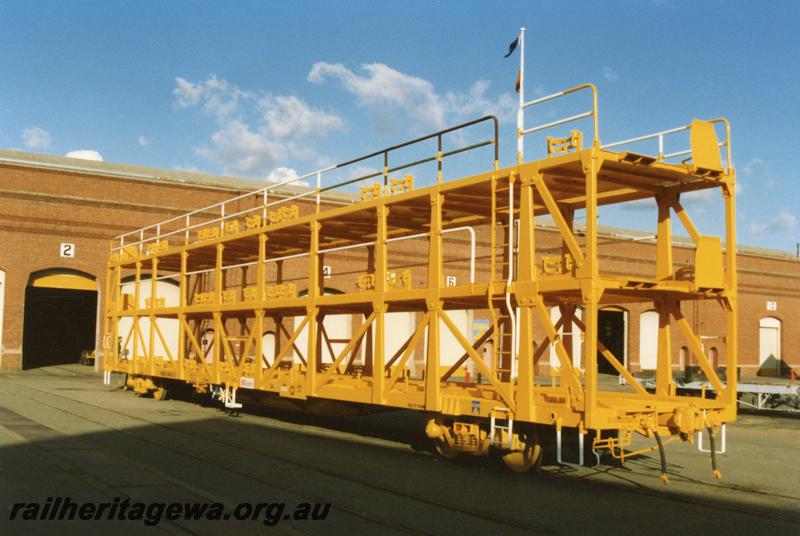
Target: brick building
[{"x": 57, "y": 216}]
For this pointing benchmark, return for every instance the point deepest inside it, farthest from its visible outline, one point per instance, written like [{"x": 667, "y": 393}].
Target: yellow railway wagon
[{"x": 240, "y": 295}]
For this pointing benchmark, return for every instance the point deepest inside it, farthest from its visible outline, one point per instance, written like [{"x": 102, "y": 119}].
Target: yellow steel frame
[{"x": 564, "y": 182}]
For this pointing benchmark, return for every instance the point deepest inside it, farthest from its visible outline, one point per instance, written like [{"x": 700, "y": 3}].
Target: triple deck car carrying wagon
[{"x": 261, "y": 263}]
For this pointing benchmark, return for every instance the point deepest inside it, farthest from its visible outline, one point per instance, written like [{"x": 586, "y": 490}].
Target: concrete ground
[{"x": 63, "y": 433}]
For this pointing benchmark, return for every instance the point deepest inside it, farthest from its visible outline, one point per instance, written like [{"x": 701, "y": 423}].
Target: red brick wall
[{"x": 39, "y": 209}]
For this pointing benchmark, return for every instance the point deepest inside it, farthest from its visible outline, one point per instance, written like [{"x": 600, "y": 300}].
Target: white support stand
[
  {"x": 106, "y": 377},
  {"x": 580, "y": 451},
  {"x": 561, "y": 461},
  {"x": 700, "y": 434},
  {"x": 230, "y": 398}
]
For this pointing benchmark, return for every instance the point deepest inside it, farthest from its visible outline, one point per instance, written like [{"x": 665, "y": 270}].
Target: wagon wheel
[
  {"x": 445, "y": 448},
  {"x": 524, "y": 460},
  {"x": 160, "y": 392}
]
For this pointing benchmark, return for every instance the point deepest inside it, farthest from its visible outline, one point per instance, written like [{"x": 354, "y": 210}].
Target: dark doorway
[
  {"x": 59, "y": 325},
  {"x": 611, "y": 333}
]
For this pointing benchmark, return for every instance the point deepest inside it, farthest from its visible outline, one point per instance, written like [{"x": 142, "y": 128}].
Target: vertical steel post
[
  {"x": 182, "y": 303},
  {"x": 590, "y": 286},
  {"x": 379, "y": 304},
  {"x": 433, "y": 303},
  {"x": 313, "y": 358},
  {"x": 135, "y": 324},
  {"x": 152, "y": 316},
  {"x": 731, "y": 282},
  {"x": 526, "y": 273},
  {"x": 219, "y": 350},
  {"x": 261, "y": 281},
  {"x": 107, "y": 322},
  {"x": 664, "y": 271}
]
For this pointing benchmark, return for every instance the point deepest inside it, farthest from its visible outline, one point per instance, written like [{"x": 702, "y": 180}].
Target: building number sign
[{"x": 67, "y": 250}]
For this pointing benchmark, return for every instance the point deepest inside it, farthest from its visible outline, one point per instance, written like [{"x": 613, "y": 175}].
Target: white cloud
[
  {"x": 257, "y": 132},
  {"x": 239, "y": 149},
  {"x": 86, "y": 154},
  {"x": 356, "y": 172},
  {"x": 699, "y": 196},
  {"x": 36, "y": 138},
  {"x": 290, "y": 117},
  {"x": 383, "y": 86},
  {"x": 283, "y": 174},
  {"x": 144, "y": 140},
  {"x": 610, "y": 74},
  {"x": 219, "y": 98},
  {"x": 378, "y": 86},
  {"x": 186, "y": 93},
  {"x": 475, "y": 103},
  {"x": 782, "y": 222},
  {"x": 754, "y": 166}
]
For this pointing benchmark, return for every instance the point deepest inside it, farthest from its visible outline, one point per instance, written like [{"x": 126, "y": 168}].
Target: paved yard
[{"x": 63, "y": 433}]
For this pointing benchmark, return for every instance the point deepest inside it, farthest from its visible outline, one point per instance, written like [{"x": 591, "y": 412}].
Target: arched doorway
[
  {"x": 60, "y": 317},
  {"x": 648, "y": 340},
  {"x": 769, "y": 346},
  {"x": 267, "y": 348}
]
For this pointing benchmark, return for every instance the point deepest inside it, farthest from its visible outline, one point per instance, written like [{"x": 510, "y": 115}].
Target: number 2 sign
[{"x": 67, "y": 250}]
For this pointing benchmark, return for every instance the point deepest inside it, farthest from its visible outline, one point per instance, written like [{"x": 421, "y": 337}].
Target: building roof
[{"x": 125, "y": 171}]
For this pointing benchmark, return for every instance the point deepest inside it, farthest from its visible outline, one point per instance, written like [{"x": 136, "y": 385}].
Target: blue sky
[{"x": 235, "y": 87}]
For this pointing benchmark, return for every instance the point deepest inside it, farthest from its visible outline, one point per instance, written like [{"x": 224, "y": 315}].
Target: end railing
[
  {"x": 522, "y": 131},
  {"x": 660, "y": 136}
]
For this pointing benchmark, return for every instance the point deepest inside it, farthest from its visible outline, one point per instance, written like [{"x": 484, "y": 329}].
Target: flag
[
  {"x": 519, "y": 80},
  {"x": 512, "y": 47}
]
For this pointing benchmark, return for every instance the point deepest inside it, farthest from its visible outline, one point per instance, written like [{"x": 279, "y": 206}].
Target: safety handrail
[
  {"x": 544, "y": 126},
  {"x": 217, "y": 213},
  {"x": 660, "y": 135}
]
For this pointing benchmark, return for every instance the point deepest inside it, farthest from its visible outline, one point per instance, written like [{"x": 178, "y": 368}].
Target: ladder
[
  {"x": 503, "y": 350},
  {"x": 501, "y": 435}
]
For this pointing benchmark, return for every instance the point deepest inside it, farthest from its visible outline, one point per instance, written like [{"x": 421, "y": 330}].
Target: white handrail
[{"x": 569, "y": 119}]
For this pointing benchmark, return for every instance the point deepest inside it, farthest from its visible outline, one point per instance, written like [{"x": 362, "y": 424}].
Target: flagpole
[{"x": 521, "y": 110}]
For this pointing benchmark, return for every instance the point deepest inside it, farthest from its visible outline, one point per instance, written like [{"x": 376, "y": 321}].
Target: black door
[
  {"x": 58, "y": 325},
  {"x": 611, "y": 331}
]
